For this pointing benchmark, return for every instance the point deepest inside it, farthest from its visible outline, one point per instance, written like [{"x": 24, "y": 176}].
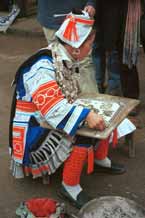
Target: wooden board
[{"x": 126, "y": 106}]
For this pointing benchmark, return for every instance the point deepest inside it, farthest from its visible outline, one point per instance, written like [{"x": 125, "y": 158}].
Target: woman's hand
[
  {"x": 90, "y": 10},
  {"x": 95, "y": 121}
]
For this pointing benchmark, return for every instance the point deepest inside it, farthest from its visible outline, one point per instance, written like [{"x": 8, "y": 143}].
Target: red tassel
[
  {"x": 71, "y": 31},
  {"x": 114, "y": 139},
  {"x": 90, "y": 160}
]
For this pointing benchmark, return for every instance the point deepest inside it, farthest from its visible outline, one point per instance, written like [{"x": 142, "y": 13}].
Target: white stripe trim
[
  {"x": 73, "y": 119},
  {"x": 58, "y": 113}
]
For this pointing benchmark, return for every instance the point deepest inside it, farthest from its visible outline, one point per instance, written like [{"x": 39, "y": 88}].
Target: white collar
[{"x": 64, "y": 54}]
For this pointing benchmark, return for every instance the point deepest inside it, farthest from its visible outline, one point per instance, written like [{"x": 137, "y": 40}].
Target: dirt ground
[{"x": 13, "y": 51}]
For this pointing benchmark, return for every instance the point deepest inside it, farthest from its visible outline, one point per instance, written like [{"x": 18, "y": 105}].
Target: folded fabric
[{"x": 40, "y": 207}]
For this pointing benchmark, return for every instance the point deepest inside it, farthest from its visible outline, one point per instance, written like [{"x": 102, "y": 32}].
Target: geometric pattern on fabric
[
  {"x": 102, "y": 149},
  {"x": 53, "y": 151},
  {"x": 25, "y": 106},
  {"x": 47, "y": 96},
  {"x": 73, "y": 166},
  {"x": 19, "y": 135}
]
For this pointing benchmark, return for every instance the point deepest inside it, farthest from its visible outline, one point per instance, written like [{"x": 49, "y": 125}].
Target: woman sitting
[{"x": 45, "y": 91}]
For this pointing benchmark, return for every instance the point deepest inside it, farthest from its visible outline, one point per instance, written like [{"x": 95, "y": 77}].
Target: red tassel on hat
[{"x": 70, "y": 32}]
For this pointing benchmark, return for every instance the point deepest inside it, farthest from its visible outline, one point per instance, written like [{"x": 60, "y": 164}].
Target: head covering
[{"x": 75, "y": 29}]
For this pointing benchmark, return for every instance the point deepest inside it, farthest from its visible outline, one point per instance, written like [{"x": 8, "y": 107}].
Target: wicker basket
[{"x": 110, "y": 207}]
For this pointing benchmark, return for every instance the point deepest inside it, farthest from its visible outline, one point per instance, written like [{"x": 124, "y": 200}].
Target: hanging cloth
[{"x": 132, "y": 33}]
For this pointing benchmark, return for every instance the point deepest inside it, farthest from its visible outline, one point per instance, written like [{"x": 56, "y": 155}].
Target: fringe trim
[{"x": 47, "y": 159}]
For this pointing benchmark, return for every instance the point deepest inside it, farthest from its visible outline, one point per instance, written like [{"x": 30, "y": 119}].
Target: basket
[{"x": 112, "y": 207}]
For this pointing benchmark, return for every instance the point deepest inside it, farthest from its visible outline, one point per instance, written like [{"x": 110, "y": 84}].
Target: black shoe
[
  {"x": 115, "y": 169},
  {"x": 82, "y": 197}
]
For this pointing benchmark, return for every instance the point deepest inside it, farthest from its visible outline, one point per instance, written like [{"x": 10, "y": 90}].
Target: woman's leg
[
  {"x": 99, "y": 60},
  {"x": 73, "y": 166},
  {"x": 103, "y": 163},
  {"x": 72, "y": 171},
  {"x": 113, "y": 67}
]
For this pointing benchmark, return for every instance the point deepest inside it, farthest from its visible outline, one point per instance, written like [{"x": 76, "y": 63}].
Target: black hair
[
  {"x": 60, "y": 41},
  {"x": 77, "y": 11}
]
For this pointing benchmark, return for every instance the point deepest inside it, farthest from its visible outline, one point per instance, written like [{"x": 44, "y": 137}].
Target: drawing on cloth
[{"x": 107, "y": 109}]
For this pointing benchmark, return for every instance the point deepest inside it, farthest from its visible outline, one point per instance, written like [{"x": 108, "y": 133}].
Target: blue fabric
[
  {"x": 62, "y": 124},
  {"x": 84, "y": 145},
  {"x": 20, "y": 85},
  {"x": 98, "y": 56},
  {"x": 82, "y": 117},
  {"x": 47, "y": 8},
  {"x": 33, "y": 135},
  {"x": 112, "y": 65}
]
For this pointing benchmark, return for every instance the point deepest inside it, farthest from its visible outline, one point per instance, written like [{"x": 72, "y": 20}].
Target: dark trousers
[{"x": 130, "y": 82}]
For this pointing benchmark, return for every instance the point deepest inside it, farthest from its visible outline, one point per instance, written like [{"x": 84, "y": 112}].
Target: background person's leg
[
  {"x": 114, "y": 70},
  {"x": 86, "y": 76},
  {"x": 99, "y": 61},
  {"x": 49, "y": 34}
]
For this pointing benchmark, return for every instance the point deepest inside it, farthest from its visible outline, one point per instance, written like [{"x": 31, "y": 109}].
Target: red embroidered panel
[
  {"x": 18, "y": 142},
  {"x": 26, "y": 106},
  {"x": 46, "y": 96}
]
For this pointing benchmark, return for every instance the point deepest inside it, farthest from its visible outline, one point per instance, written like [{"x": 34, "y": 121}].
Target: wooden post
[{"x": 129, "y": 141}]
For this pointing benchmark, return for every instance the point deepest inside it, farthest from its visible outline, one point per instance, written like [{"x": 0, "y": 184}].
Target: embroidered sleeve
[
  {"x": 73, "y": 120},
  {"x": 50, "y": 101}
]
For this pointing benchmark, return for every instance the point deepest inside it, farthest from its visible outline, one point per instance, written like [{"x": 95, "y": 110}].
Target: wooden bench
[{"x": 129, "y": 142}]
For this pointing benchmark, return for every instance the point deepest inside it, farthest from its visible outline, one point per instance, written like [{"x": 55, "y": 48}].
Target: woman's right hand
[{"x": 95, "y": 121}]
